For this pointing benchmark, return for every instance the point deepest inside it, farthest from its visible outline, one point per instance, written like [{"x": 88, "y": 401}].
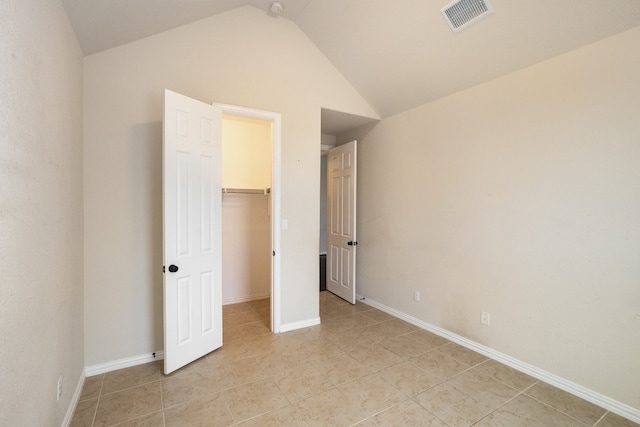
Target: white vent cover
[{"x": 462, "y": 13}]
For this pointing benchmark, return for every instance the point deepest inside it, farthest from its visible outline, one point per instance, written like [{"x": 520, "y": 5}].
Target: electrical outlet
[
  {"x": 416, "y": 295},
  {"x": 59, "y": 388},
  {"x": 485, "y": 318}
]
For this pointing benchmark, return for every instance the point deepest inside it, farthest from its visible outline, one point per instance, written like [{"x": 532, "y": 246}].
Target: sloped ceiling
[{"x": 397, "y": 54}]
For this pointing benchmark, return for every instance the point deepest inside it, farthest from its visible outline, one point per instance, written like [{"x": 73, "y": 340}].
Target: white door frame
[{"x": 276, "y": 135}]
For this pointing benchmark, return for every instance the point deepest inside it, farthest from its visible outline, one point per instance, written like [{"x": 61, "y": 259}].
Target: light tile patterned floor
[{"x": 359, "y": 367}]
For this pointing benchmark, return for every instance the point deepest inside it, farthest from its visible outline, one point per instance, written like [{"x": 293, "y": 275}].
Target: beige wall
[
  {"x": 519, "y": 197},
  {"x": 246, "y": 152},
  {"x": 246, "y": 247},
  {"x": 243, "y": 57},
  {"x": 41, "y": 220}
]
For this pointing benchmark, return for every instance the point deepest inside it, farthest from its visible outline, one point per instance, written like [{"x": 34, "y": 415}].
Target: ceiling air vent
[{"x": 462, "y": 13}]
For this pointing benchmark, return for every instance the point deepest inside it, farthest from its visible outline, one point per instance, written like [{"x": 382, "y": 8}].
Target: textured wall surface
[
  {"x": 519, "y": 197},
  {"x": 41, "y": 213}
]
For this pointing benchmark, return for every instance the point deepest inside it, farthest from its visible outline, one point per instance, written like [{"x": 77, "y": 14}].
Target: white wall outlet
[
  {"x": 416, "y": 295},
  {"x": 59, "y": 388},
  {"x": 485, "y": 318}
]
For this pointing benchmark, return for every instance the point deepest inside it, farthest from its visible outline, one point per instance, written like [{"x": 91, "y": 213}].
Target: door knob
[
  {"x": 173, "y": 268},
  {"x": 352, "y": 243}
]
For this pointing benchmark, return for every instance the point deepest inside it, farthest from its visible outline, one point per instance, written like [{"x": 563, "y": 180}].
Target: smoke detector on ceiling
[
  {"x": 276, "y": 8},
  {"x": 462, "y": 13}
]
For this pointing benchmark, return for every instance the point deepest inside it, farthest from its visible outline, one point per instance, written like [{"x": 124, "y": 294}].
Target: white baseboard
[
  {"x": 238, "y": 300},
  {"x": 127, "y": 362},
  {"x": 74, "y": 401},
  {"x": 596, "y": 398},
  {"x": 287, "y": 327}
]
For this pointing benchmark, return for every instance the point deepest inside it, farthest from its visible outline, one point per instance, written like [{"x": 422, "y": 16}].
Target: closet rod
[{"x": 246, "y": 190}]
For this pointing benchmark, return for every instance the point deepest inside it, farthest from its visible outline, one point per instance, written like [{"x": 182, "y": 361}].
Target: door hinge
[{"x": 163, "y": 269}]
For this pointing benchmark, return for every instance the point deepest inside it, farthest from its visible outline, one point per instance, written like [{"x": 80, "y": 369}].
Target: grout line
[
  {"x": 95, "y": 412},
  {"x": 133, "y": 386},
  {"x": 418, "y": 403},
  {"x": 601, "y": 418},
  {"x": 162, "y": 401},
  {"x": 554, "y": 408},
  {"x": 381, "y": 411},
  {"x": 505, "y": 403}
]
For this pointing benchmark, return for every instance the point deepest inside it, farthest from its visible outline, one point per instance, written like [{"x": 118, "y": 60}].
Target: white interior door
[
  {"x": 341, "y": 221},
  {"x": 192, "y": 230}
]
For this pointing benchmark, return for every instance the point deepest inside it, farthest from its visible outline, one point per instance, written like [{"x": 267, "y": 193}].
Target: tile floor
[{"x": 359, "y": 367}]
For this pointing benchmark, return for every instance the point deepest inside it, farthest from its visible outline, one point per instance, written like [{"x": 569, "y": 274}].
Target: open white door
[
  {"x": 192, "y": 230},
  {"x": 341, "y": 221}
]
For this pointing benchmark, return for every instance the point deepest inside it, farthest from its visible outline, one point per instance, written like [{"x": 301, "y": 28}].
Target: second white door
[{"x": 341, "y": 221}]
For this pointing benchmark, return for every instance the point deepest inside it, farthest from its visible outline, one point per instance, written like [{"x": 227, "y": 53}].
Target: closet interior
[{"x": 246, "y": 209}]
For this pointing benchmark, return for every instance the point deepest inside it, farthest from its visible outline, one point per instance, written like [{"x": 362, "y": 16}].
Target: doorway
[
  {"x": 338, "y": 218},
  {"x": 341, "y": 240},
  {"x": 323, "y": 217},
  {"x": 192, "y": 214},
  {"x": 246, "y": 217},
  {"x": 251, "y": 207},
  {"x": 327, "y": 142}
]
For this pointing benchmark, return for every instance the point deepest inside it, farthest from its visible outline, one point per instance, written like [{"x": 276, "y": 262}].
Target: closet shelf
[{"x": 264, "y": 191}]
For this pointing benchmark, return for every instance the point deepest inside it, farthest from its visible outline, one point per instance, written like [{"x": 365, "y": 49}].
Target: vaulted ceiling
[{"x": 397, "y": 54}]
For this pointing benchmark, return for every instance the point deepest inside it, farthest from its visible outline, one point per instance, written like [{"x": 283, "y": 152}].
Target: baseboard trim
[
  {"x": 68, "y": 417},
  {"x": 127, "y": 362},
  {"x": 245, "y": 299},
  {"x": 596, "y": 398},
  {"x": 288, "y": 327}
]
